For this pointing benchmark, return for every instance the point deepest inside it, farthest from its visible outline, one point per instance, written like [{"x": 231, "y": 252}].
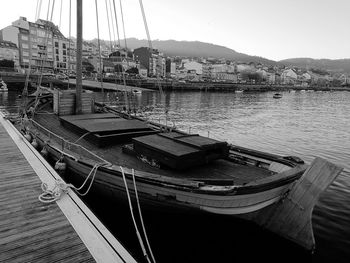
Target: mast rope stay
[
  {"x": 99, "y": 51},
  {"x": 133, "y": 216}
]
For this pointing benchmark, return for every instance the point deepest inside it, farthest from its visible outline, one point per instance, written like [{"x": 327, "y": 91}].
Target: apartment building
[
  {"x": 40, "y": 44},
  {"x": 152, "y": 60},
  {"x": 9, "y": 51}
]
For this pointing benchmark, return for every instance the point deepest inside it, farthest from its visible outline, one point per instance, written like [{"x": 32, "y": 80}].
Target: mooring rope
[
  {"x": 140, "y": 214},
  {"x": 133, "y": 217},
  {"x": 60, "y": 187}
]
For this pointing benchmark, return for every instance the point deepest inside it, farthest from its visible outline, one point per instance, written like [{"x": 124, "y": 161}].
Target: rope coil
[{"x": 60, "y": 187}]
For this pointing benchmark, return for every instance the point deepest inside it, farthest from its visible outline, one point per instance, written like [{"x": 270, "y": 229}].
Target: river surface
[{"x": 304, "y": 124}]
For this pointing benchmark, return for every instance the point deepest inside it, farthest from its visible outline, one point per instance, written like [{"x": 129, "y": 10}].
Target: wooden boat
[
  {"x": 277, "y": 96},
  {"x": 121, "y": 155}
]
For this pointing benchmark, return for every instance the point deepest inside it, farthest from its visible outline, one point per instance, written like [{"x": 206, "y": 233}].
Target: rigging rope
[
  {"x": 36, "y": 9},
  {"x": 70, "y": 39},
  {"x": 133, "y": 217},
  {"x": 112, "y": 21},
  {"x": 121, "y": 11},
  {"x": 99, "y": 50},
  {"x": 146, "y": 26},
  {"x": 60, "y": 15},
  {"x": 46, "y": 49},
  {"x": 109, "y": 27},
  {"x": 116, "y": 23}
]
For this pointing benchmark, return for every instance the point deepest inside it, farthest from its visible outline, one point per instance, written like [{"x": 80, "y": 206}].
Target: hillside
[
  {"x": 201, "y": 49},
  {"x": 194, "y": 49},
  {"x": 335, "y": 65}
]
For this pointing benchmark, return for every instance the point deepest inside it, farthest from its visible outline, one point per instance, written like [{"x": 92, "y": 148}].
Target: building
[
  {"x": 9, "y": 51},
  {"x": 170, "y": 68},
  {"x": 289, "y": 76},
  {"x": 193, "y": 65},
  {"x": 122, "y": 57},
  {"x": 152, "y": 60},
  {"x": 40, "y": 44}
]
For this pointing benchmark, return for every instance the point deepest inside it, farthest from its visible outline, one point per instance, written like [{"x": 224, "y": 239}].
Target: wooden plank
[
  {"x": 31, "y": 231},
  {"x": 164, "y": 145}
]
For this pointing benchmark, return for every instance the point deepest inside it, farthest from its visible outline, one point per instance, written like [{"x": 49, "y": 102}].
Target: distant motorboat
[
  {"x": 238, "y": 91},
  {"x": 3, "y": 86},
  {"x": 277, "y": 96}
]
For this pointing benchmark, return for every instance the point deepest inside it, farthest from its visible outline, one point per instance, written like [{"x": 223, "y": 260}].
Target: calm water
[{"x": 305, "y": 124}]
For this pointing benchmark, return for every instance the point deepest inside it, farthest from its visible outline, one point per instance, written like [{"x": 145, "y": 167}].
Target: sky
[{"x": 274, "y": 29}]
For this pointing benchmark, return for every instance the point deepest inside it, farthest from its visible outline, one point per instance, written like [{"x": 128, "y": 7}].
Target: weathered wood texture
[
  {"x": 291, "y": 218},
  {"x": 31, "y": 231},
  {"x": 64, "y": 102}
]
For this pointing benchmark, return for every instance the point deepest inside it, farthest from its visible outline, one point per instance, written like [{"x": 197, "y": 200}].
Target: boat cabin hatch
[
  {"x": 179, "y": 151},
  {"x": 105, "y": 129}
]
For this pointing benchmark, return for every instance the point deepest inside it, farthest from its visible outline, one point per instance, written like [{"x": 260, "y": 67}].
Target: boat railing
[{"x": 67, "y": 145}]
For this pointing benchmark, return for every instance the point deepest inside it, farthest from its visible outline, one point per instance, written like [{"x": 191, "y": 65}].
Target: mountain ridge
[{"x": 202, "y": 49}]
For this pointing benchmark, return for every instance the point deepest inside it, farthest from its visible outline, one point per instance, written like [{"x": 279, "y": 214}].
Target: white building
[{"x": 193, "y": 65}]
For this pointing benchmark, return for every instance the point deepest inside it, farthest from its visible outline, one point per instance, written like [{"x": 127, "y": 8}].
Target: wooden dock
[
  {"x": 32, "y": 231},
  {"x": 106, "y": 85}
]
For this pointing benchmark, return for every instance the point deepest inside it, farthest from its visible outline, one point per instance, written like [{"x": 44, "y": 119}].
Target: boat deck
[
  {"x": 220, "y": 169},
  {"x": 32, "y": 231}
]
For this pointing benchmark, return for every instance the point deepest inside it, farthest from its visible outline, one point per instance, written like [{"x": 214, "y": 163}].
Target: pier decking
[{"x": 32, "y": 231}]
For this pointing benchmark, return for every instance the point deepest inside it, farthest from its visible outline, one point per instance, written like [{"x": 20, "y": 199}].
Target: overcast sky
[{"x": 274, "y": 29}]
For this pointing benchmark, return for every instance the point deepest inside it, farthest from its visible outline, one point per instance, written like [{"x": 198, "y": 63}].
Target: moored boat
[
  {"x": 277, "y": 96},
  {"x": 119, "y": 156}
]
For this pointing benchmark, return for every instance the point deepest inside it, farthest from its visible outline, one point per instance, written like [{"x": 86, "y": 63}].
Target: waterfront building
[
  {"x": 207, "y": 72},
  {"x": 40, "y": 44},
  {"x": 289, "y": 76},
  {"x": 9, "y": 51},
  {"x": 170, "y": 68},
  {"x": 122, "y": 57},
  {"x": 193, "y": 65},
  {"x": 152, "y": 60}
]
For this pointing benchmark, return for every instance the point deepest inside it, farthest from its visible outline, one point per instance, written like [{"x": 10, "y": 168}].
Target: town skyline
[{"x": 290, "y": 30}]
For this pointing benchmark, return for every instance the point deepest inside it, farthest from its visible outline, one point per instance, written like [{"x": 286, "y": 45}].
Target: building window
[
  {"x": 64, "y": 52},
  {"x": 41, "y": 33},
  {"x": 57, "y": 58},
  {"x": 24, "y": 37},
  {"x": 64, "y": 59},
  {"x": 64, "y": 45},
  {"x": 25, "y": 53},
  {"x": 56, "y": 44},
  {"x": 24, "y": 45},
  {"x": 56, "y": 51}
]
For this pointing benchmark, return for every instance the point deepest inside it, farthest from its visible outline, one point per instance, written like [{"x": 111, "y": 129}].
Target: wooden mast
[{"x": 78, "y": 103}]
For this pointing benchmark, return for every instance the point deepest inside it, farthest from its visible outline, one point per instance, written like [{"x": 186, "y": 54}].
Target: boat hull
[{"x": 108, "y": 183}]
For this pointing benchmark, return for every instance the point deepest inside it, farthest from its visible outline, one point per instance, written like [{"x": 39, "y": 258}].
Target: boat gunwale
[{"x": 197, "y": 186}]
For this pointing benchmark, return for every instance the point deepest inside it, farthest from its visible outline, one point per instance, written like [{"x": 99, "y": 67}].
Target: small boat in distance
[
  {"x": 277, "y": 95},
  {"x": 3, "y": 86},
  {"x": 238, "y": 91}
]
